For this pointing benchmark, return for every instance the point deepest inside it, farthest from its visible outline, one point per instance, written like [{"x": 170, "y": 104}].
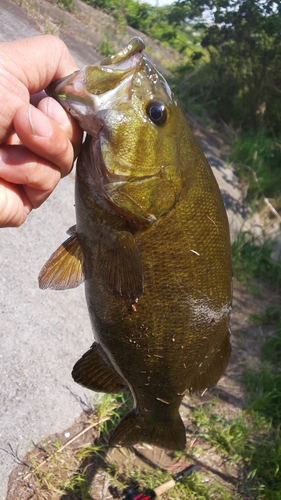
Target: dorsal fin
[{"x": 64, "y": 269}]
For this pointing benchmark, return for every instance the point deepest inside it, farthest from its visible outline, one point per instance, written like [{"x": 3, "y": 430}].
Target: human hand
[{"x": 37, "y": 144}]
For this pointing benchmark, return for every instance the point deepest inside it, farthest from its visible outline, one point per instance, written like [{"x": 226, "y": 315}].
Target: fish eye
[{"x": 157, "y": 112}]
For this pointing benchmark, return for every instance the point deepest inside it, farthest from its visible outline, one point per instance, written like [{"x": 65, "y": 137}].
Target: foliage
[
  {"x": 264, "y": 389},
  {"x": 243, "y": 42},
  {"x": 254, "y": 436},
  {"x": 257, "y": 158},
  {"x": 191, "y": 487},
  {"x": 251, "y": 257},
  {"x": 272, "y": 350},
  {"x": 249, "y": 440},
  {"x": 264, "y": 386},
  {"x": 105, "y": 48},
  {"x": 272, "y": 316},
  {"x": 163, "y": 23},
  {"x": 66, "y": 5}
]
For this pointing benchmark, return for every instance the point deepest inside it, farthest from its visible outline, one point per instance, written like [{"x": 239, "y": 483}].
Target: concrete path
[{"x": 43, "y": 333}]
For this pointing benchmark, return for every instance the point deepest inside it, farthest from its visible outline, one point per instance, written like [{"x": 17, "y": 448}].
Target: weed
[
  {"x": 192, "y": 487},
  {"x": 264, "y": 387},
  {"x": 256, "y": 157},
  {"x": 50, "y": 28},
  {"x": 105, "y": 48},
  {"x": 110, "y": 409},
  {"x": 254, "y": 437},
  {"x": 66, "y": 5},
  {"x": 251, "y": 257},
  {"x": 271, "y": 316},
  {"x": 272, "y": 349},
  {"x": 264, "y": 401},
  {"x": 249, "y": 440}
]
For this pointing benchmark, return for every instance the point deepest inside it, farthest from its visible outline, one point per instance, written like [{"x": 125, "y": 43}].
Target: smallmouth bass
[{"x": 151, "y": 242}]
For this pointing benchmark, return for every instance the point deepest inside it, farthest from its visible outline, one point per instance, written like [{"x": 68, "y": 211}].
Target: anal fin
[{"x": 95, "y": 372}]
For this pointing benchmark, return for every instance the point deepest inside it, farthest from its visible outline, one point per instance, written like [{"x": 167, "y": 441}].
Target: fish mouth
[
  {"x": 82, "y": 93},
  {"x": 127, "y": 58}
]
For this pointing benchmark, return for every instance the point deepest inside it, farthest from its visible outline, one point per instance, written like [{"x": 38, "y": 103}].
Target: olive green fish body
[{"x": 152, "y": 244}]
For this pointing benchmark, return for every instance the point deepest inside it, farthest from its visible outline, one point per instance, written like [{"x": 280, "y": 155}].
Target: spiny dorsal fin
[
  {"x": 120, "y": 264},
  {"x": 64, "y": 269},
  {"x": 95, "y": 372}
]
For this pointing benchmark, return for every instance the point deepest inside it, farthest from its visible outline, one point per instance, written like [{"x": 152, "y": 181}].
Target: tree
[{"x": 243, "y": 40}]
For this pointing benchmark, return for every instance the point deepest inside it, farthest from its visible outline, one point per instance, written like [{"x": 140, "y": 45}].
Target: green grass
[
  {"x": 251, "y": 258},
  {"x": 251, "y": 441},
  {"x": 256, "y": 158},
  {"x": 66, "y": 5},
  {"x": 194, "y": 487},
  {"x": 105, "y": 48}
]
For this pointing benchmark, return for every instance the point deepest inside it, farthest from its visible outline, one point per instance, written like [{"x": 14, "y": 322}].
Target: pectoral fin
[
  {"x": 95, "y": 372},
  {"x": 120, "y": 264},
  {"x": 64, "y": 269}
]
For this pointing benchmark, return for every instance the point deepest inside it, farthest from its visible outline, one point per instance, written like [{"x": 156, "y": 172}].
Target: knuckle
[
  {"x": 65, "y": 157},
  {"x": 57, "y": 44},
  {"x": 43, "y": 175}
]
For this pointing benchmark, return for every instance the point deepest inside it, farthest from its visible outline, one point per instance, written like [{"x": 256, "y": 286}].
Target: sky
[{"x": 159, "y": 3}]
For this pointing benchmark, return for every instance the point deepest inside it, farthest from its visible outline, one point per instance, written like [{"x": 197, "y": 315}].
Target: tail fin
[{"x": 135, "y": 428}]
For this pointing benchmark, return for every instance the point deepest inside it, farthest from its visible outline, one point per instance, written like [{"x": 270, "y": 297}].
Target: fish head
[{"x": 134, "y": 121}]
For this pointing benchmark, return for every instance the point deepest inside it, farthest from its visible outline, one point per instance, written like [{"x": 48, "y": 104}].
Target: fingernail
[
  {"x": 40, "y": 123},
  {"x": 56, "y": 112}
]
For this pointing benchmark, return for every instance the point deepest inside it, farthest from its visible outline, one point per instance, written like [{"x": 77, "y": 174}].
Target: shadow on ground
[{"x": 97, "y": 476}]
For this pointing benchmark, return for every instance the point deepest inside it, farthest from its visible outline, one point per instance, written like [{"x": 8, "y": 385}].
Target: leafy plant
[
  {"x": 66, "y": 5},
  {"x": 105, "y": 48},
  {"x": 163, "y": 23},
  {"x": 243, "y": 43},
  {"x": 257, "y": 157},
  {"x": 252, "y": 258}
]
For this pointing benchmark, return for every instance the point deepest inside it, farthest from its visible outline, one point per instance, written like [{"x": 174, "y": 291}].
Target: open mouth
[
  {"x": 83, "y": 85},
  {"x": 127, "y": 58}
]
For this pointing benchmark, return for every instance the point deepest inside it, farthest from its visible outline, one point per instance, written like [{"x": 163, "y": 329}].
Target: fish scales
[{"x": 151, "y": 243}]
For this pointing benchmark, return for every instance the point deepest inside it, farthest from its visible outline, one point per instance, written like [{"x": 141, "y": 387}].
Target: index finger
[
  {"x": 27, "y": 66},
  {"x": 37, "y": 61}
]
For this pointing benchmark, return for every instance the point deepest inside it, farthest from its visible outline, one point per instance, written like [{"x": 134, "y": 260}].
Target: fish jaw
[
  {"x": 86, "y": 91},
  {"x": 110, "y": 100}
]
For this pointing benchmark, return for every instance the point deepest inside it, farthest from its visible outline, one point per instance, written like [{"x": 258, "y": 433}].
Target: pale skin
[{"x": 38, "y": 141}]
